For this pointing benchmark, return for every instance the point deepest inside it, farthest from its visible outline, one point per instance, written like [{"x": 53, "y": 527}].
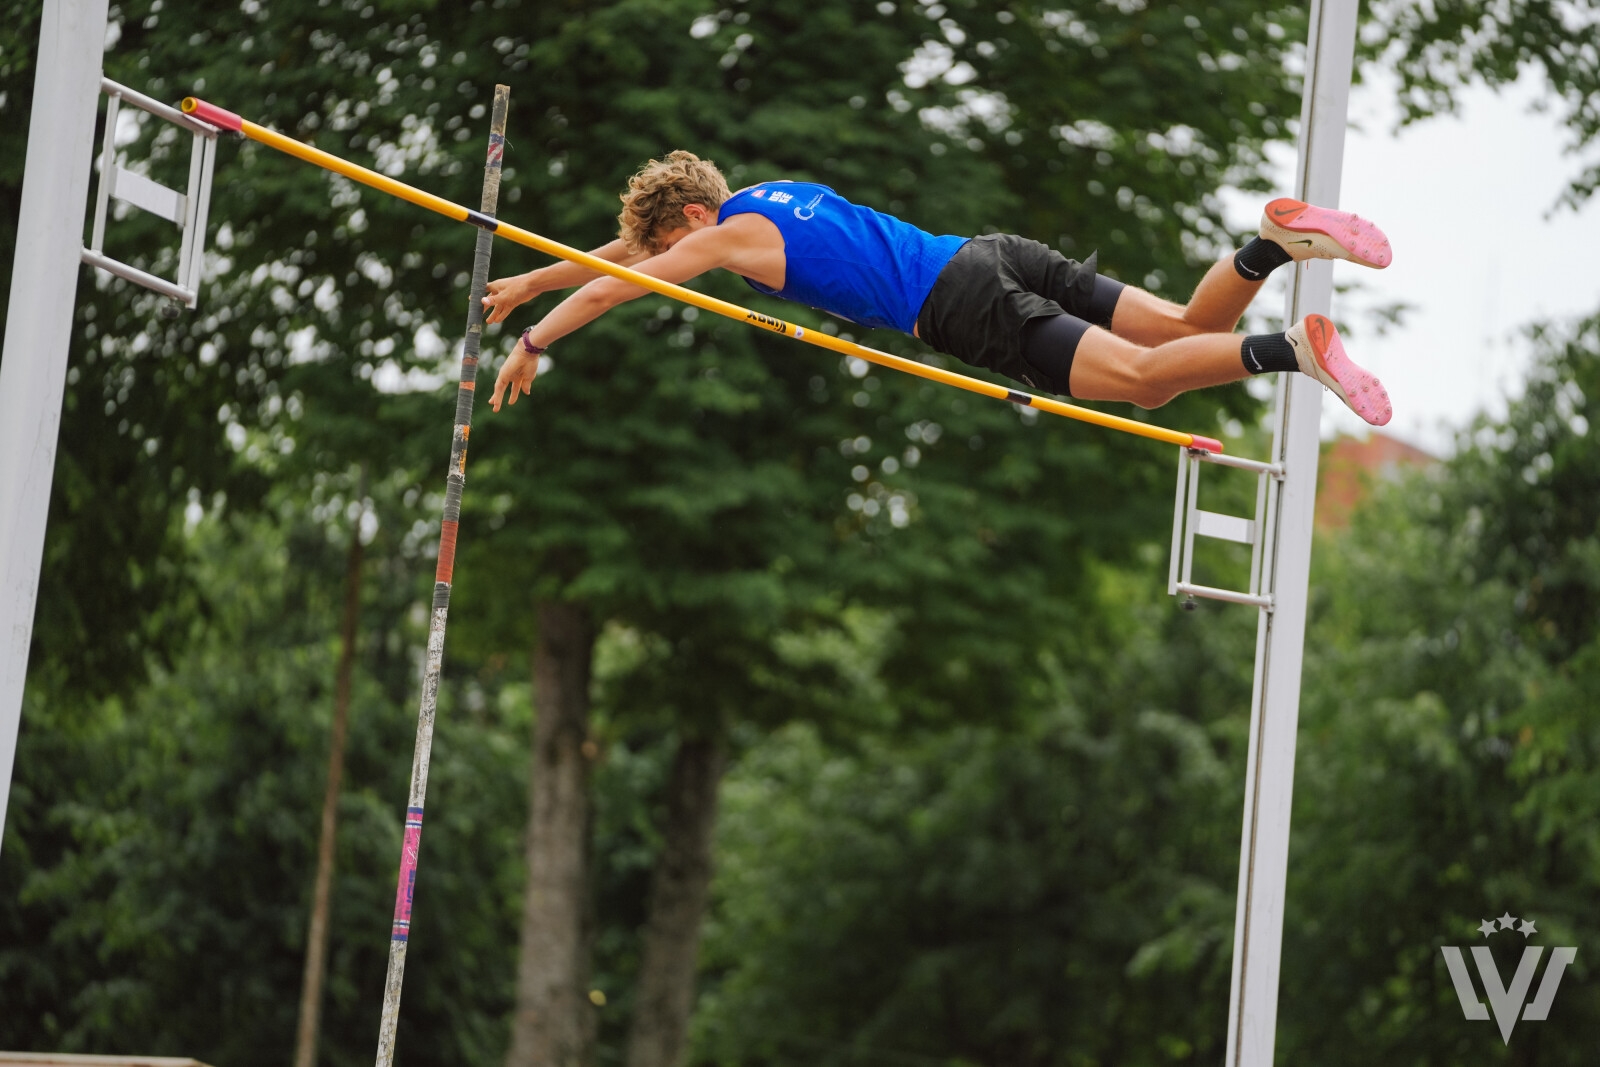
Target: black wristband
[{"x": 527, "y": 346}]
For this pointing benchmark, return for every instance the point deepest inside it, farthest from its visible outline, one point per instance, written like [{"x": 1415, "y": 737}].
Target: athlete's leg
[
  {"x": 1107, "y": 367},
  {"x": 1155, "y": 349},
  {"x": 1290, "y": 231},
  {"x": 1218, "y": 303}
]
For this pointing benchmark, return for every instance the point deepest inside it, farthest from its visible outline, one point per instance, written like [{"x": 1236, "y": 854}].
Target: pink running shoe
[
  {"x": 1308, "y": 232},
  {"x": 1321, "y": 355}
]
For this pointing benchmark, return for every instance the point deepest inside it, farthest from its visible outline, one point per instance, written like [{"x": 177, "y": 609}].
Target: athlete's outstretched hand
[
  {"x": 516, "y": 373},
  {"x": 505, "y": 295}
]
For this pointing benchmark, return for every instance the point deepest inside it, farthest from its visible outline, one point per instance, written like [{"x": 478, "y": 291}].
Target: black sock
[
  {"x": 1259, "y": 258},
  {"x": 1264, "y": 353}
]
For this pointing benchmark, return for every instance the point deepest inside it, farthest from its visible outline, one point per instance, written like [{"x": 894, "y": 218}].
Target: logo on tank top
[{"x": 804, "y": 213}]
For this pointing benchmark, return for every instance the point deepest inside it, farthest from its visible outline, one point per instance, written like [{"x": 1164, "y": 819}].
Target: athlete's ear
[{"x": 696, "y": 213}]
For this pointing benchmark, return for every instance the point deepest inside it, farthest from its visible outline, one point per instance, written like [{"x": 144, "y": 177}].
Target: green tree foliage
[
  {"x": 1437, "y": 49},
  {"x": 766, "y": 427},
  {"x": 967, "y": 898},
  {"x": 744, "y": 513},
  {"x": 1116, "y": 123},
  {"x": 1448, "y": 756},
  {"x": 169, "y": 838},
  {"x": 339, "y": 282},
  {"x": 1057, "y": 893}
]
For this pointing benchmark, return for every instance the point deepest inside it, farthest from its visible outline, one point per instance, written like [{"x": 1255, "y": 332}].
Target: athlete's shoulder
[
  {"x": 743, "y": 229},
  {"x": 737, "y": 235},
  {"x": 763, "y": 185},
  {"x": 783, "y": 191}
]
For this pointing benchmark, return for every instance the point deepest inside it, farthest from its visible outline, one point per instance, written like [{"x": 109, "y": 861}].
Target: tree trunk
[
  {"x": 316, "y": 969},
  {"x": 679, "y": 887},
  {"x": 550, "y": 1022}
]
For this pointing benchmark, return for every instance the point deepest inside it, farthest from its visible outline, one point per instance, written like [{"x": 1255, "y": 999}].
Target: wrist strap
[{"x": 528, "y": 346}]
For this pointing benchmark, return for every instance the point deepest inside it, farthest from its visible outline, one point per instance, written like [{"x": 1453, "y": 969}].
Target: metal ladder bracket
[
  {"x": 187, "y": 209},
  {"x": 1189, "y": 521}
]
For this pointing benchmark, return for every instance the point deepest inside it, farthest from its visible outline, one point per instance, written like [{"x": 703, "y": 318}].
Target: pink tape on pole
[
  {"x": 408, "y": 875},
  {"x": 1207, "y": 443},
  {"x": 223, "y": 120}
]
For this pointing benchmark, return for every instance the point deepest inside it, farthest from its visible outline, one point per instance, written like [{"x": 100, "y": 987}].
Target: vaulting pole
[
  {"x": 227, "y": 120},
  {"x": 456, "y": 481}
]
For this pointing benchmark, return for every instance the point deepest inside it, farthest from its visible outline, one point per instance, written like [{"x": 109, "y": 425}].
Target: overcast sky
[{"x": 1481, "y": 250}]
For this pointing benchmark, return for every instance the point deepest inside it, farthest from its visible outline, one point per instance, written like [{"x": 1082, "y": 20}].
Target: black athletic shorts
[{"x": 991, "y": 288}]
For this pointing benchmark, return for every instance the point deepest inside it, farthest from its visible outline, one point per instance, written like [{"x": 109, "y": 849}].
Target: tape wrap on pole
[{"x": 385, "y": 184}]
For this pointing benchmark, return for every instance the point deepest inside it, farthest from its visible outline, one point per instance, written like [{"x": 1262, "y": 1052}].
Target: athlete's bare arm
[
  {"x": 506, "y": 294},
  {"x": 748, "y": 245}
]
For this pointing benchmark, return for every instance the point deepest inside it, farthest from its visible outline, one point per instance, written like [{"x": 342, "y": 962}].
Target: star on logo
[
  {"x": 1526, "y": 928},
  {"x": 1507, "y": 921},
  {"x": 1487, "y": 927}
]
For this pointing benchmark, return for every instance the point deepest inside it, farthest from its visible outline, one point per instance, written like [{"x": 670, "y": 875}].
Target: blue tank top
[{"x": 847, "y": 260}]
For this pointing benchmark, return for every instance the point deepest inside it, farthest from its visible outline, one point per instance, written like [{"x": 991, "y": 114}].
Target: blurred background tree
[{"x": 979, "y": 782}]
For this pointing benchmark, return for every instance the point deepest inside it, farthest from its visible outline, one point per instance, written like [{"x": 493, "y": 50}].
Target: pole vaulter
[{"x": 227, "y": 120}]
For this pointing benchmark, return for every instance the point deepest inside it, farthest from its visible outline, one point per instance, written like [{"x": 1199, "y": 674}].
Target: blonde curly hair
[{"x": 653, "y": 205}]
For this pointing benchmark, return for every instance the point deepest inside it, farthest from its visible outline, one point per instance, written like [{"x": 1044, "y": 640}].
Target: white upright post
[
  {"x": 44, "y": 282},
  {"x": 1280, "y": 638}
]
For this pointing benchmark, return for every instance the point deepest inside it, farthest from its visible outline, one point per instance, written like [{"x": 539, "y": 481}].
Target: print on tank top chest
[{"x": 778, "y": 196}]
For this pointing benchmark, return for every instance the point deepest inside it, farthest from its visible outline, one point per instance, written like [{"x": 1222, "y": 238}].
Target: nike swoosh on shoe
[{"x": 1325, "y": 233}]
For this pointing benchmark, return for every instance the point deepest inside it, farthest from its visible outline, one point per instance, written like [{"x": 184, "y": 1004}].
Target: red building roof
[{"x": 1351, "y": 466}]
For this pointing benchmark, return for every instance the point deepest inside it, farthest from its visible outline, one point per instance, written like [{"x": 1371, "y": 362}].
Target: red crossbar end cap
[
  {"x": 1206, "y": 443},
  {"x": 222, "y": 120}
]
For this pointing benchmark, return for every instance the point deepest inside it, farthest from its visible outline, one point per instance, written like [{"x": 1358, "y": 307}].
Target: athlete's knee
[
  {"x": 1154, "y": 400},
  {"x": 1110, "y": 368},
  {"x": 1146, "y": 389},
  {"x": 1174, "y": 321},
  {"x": 1185, "y": 326},
  {"x": 1147, "y": 319}
]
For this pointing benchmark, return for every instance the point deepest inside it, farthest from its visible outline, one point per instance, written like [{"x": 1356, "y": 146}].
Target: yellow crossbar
[{"x": 227, "y": 120}]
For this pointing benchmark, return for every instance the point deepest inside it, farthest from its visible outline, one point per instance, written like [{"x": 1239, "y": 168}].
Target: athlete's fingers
[
  {"x": 500, "y": 382},
  {"x": 492, "y": 302}
]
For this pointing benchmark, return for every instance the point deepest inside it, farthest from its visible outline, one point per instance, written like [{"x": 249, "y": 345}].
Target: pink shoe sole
[
  {"x": 1361, "y": 240},
  {"x": 1362, "y": 391}
]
